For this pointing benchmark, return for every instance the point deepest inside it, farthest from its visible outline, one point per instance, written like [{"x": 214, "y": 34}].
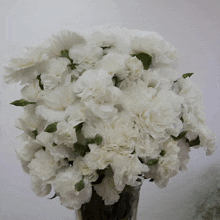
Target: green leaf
[
  {"x": 182, "y": 119},
  {"x": 54, "y": 144},
  {"x": 145, "y": 58},
  {"x": 51, "y": 128},
  {"x": 194, "y": 142},
  {"x": 55, "y": 195},
  {"x": 162, "y": 153},
  {"x": 72, "y": 66},
  {"x": 181, "y": 135},
  {"x": 152, "y": 162},
  {"x": 81, "y": 149},
  {"x": 65, "y": 53},
  {"x": 78, "y": 127},
  {"x": 187, "y": 75},
  {"x": 80, "y": 185},
  {"x": 22, "y": 102},
  {"x": 40, "y": 84},
  {"x": 98, "y": 139},
  {"x": 35, "y": 133},
  {"x": 106, "y": 47},
  {"x": 117, "y": 80}
]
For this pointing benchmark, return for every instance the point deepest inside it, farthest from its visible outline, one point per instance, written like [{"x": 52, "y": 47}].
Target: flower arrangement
[{"x": 103, "y": 110}]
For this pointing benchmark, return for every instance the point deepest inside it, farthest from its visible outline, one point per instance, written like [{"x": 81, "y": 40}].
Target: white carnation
[
  {"x": 43, "y": 165},
  {"x": 39, "y": 187},
  {"x": 64, "y": 186},
  {"x": 106, "y": 189},
  {"x": 65, "y": 133}
]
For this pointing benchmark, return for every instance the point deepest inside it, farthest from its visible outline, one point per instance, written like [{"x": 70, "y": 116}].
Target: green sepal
[
  {"x": 78, "y": 127},
  {"x": 145, "y": 58},
  {"x": 106, "y": 47},
  {"x": 187, "y": 75},
  {"x": 81, "y": 149},
  {"x": 40, "y": 84},
  {"x": 80, "y": 185},
  {"x": 21, "y": 102},
  {"x": 194, "y": 142},
  {"x": 151, "y": 180},
  {"x": 152, "y": 162},
  {"x": 162, "y": 153},
  {"x": 72, "y": 66},
  {"x": 180, "y": 136},
  {"x": 54, "y": 196},
  {"x": 65, "y": 53},
  {"x": 43, "y": 148},
  {"x": 51, "y": 128},
  {"x": 182, "y": 119},
  {"x": 117, "y": 80},
  {"x": 35, "y": 133},
  {"x": 54, "y": 144}
]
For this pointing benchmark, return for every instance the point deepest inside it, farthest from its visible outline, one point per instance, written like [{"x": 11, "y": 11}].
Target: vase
[{"x": 125, "y": 209}]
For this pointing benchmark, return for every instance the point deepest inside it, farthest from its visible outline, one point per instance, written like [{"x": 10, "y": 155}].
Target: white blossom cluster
[{"x": 105, "y": 109}]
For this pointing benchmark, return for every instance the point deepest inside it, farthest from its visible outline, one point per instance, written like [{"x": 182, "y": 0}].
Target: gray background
[{"x": 192, "y": 26}]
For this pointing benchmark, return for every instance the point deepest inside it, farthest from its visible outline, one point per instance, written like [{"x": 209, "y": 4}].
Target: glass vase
[{"x": 124, "y": 209}]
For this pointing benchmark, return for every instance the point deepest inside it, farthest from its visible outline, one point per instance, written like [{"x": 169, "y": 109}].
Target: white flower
[
  {"x": 29, "y": 121},
  {"x": 126, "y": 170},
  {"x": 135, "y": 68},
  {"x": 65, "y": 40},
  {"x": 55, "y": 72},
  {"x": 27, "y": 152},
  {"x": 26, "y": 68},
  {"x": 91, "y": 80},
  {"x": 114, "y": 64},
  {"x": 183, "y": 154},
  {"x": 65, "y": 134},
  {"x": 32, "y": 92},
  {"x": 43, "y": 165},
  {"x": 85, "y": 55},
  {"x": 64, "y": 186},
  {"x": 168, "y": 165},
  {"x": 39, "y": 187},
  {"x": 153, "y": 44},
  {"x": 98, "y": 157},
  {"x": 76, "y": 113},
  {"x": 106, "y": 189},
  {"x": 162, "y": 119},
  {"x": 85, "y": 169},
  {"x": 138, "y": 97}
]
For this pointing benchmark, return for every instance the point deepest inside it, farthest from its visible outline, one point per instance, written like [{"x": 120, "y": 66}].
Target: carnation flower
[{"x": 103, "y": 111}]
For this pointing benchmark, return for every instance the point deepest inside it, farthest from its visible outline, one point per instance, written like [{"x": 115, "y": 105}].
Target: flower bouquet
[{"x": 104, "y": 110}]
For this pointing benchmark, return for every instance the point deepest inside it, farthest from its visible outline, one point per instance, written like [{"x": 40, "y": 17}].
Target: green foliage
[
  {"x": 65, "y": 53},
  {"x": 145, "y": 58},
  {"x": 152, "y": 162},
  {"x": 194, "y": 142},
  {"x": 51, "y": 128},
  {"x": 81, "y": 149},
  {"x": 40, "y": 84},
  {"x": 80, "y": 185},
  {"x": 180, "y": 136},
  {"x": 21, "y": 102},
  {"x": 187, "y": 75},
  {"x": 162, "y": 153},
  {"x": 35, "y": 133}
]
